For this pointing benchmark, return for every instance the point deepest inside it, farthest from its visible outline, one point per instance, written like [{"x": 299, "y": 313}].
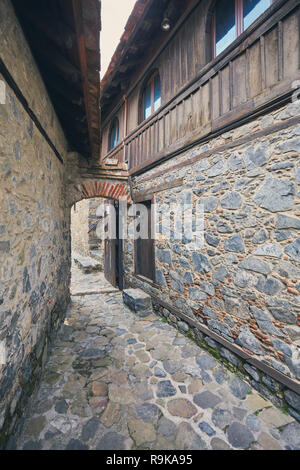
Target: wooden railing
[
  {"x": 255, "y": 72},
  {"x": 116, "y": 153}
]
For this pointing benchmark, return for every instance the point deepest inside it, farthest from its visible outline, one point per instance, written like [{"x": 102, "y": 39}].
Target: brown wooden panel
[
  {"x": 215, "y": 103},
  {"x": 196, "y": 121},
  {"x": 109, "y": 251},
  {"x": 254, "y": 70},
  {"x": 290, "y": 45},
  {"x": 225, "y": 94},
  {"x": 239, "y": 94},
  {"x": 271, "y": 57},
  {"x": 161, "y": 134},
  {"x": 173, "y": 125},
  {"x": 188, "y": 113},
  {"x": 205, "y": 100},
  {"x": 144, "y": 251}
]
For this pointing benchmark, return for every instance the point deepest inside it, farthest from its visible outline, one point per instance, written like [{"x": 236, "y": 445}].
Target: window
[
  {"x": 113, "y": 138},
  {"x": 151, "y": 98},
  {"x": 231, "y": 18}
]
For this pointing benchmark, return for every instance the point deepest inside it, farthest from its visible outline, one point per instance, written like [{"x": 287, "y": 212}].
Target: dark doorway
[{"x": 113, "y": 249}]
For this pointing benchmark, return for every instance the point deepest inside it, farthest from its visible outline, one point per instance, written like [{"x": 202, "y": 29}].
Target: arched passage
[{"x": 100, "y": 188}]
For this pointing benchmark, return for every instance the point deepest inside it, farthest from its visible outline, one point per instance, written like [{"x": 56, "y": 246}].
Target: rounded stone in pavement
[
  {"x": 221, "y": 418},
  {"x": 75, "y": 444},
  {"x": 159, "y": 372},
  {"x": 141, "y": 432},
  {"x": 89, "y": 429},
  {"x": 166, "y": 427},
  {"x": 182, "y": 407},
  {"x": 206, "y": 399},
  {"x": 111, "y": 441},
  {"x": 165, "y": 389},
  {"x": 206, "y": 362},
  {"x": 291, "y": 434},
  {"x": 239, "y": 388},
  {"x": 205, "y": 427},
  {"x": 218, "y": 444},
  {"x": 239, "y": 436},
  {"x": 187, "y": 439},
  {"x": 148, "y": 412}
]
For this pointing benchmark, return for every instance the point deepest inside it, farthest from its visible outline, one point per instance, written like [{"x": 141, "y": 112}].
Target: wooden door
[
  {"x": 144, "y": 250},
  {"x": 110, "y": 249}
]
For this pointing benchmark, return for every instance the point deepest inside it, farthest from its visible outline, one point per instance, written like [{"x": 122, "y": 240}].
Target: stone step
[
  {"x": 86, "y": 263},
  {"x": 138, "y": 301}
]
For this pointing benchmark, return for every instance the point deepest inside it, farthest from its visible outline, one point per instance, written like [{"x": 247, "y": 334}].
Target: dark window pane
[
  {"x": 157, "y": 93},
  {"x": 114, "y": 135},
  {"x": 225, "y": 24},
  {"x": 253, "y": 9},
  {"x": 147, "y": 102}
]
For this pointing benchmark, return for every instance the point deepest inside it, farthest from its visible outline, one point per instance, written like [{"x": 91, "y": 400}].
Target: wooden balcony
[{"x": 254, "y": 75}]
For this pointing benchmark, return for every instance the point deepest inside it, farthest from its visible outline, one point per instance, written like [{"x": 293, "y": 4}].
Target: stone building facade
[
  {"x": 45, "y": 167},
  {"x": 236, "y": 153}
]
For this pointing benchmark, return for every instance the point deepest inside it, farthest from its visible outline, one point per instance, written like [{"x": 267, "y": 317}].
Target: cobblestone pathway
[{"x": 114, "y": 381}]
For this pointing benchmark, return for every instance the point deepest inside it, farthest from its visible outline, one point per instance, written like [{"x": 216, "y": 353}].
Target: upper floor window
[
  {"x": 231, "y": 18},
  {"x": 151, "y": 99},
  {"x": 113, "y": 138}
]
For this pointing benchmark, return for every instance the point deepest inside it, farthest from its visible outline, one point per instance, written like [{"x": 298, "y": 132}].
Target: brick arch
[{"x": 106, "y": 189}]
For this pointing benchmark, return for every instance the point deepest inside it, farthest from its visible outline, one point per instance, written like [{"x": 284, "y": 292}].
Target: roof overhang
[{"x": 64, "y": 36}]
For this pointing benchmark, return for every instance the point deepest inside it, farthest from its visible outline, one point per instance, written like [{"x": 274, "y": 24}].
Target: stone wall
[
  {"x": 34, "y": 229},
  {"x": 85, "y": 229},
  {"x": 79, "y": 227},
  {"x": 243, "y": 283}
]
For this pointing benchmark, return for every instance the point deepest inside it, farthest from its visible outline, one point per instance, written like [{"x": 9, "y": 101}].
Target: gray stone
[
  {"x": 220, "y": 329},
  {"x": 196, "y": 294},
  {"x": 206, "y": 399},
  {"x": 270, "y": 286},
  {"x": 188, "y": 278},
  {"x": 138, "y": 301},
  {"x": 248, "y": 340},
  {"x": 231, "y": 201},
  {"x": 260, "y": 236},
  {"x": 293, "y": 250},
  {"x": 111, "y": 441},
  {"x": 206, "y": 362},
  {"x": 218, "y": 444},
  {"x": 160, "y": 278},
  {"x": 275, "y": 195},
  {"x": 269, "y": 249},
  {"x": 223, "y": 227},
  {"x": 239, "y": 388},
  {"x": 210, "y": 203},
  {"x": 251, "y": 372},
  {"x": 148, "y": 412},
  {"x": 282, "y": 346},
  {"x": 291, "y": 434},
  {"x": 164, "y": 256},
  {"x": 208, "y": 312},
  {"x": 172, "y": 366},
  {"x": 229, "y": 356},
  {"x": 166, "y": 427},
  {"x": 176, "y": 282},
  {"x": 211, "y": 239},
  {"x": 292, "y": 145},
  {"x": 255, "y": 265},
  {"x": 281, "y": 311},
  {"x": 200, "y": 263},
  {"x": 253, "y": 422},
  {"x": 256, "y": 156},
  {"x": 221, "y": 418},
  {"x": 165, "y": 389},
  {"x": 208, "y": 288},
  {"x": 218, "y": 169},
  {"x": 235, "y": 244},
  {"x": 283, "y": 222},
  {"x": 220, "y": 274},
  {"x": 89, "y": 429},
  {"x": 220, "y": 375},
  {"x": 235, "y": 162},
  {"x": 205, "y": 427},
  {"x": 239, "y": 436},
  {"x": 293, "y": 399},
  {"x": 76, "y": 444},
  {"x": 187, "y": 439}
]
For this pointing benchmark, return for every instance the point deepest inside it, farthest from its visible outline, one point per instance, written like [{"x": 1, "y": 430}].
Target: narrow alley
[{"x": 116, "y": 381}]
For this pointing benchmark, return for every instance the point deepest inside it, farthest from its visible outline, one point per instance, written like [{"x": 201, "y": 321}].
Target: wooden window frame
[
  {"x": 239, "y": 22},
  {"x": 150, "y": 81},
  {"x": 110, "y": 144}
]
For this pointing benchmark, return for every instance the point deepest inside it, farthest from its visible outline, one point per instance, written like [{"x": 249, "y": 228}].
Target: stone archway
[{"x": 104, "y": 189}]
